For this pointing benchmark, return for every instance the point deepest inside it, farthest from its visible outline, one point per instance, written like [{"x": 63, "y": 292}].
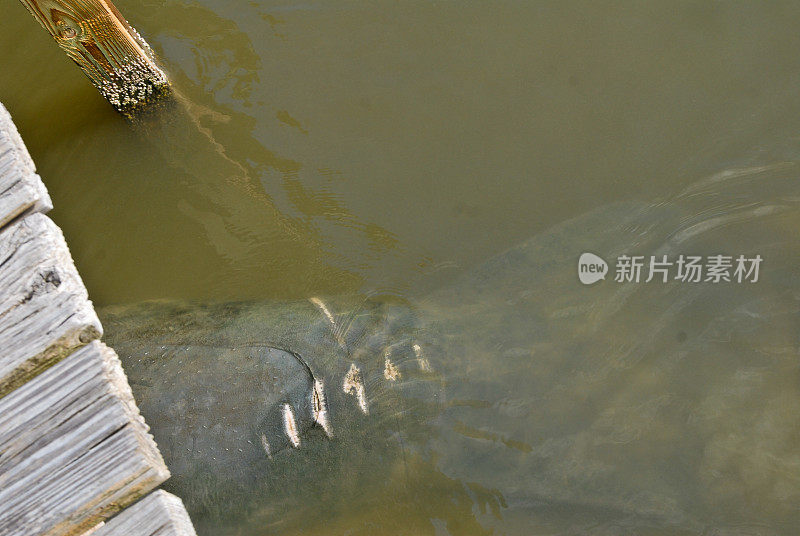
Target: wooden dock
[{"x": 76, "y": 457}]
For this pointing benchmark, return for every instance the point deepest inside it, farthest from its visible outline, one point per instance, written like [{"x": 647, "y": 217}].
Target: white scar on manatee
[
  {"x": 334, "y": 328},
  {"x": 321, "y": 407},
  {"x": 290, "y": 426},
  {"x": 265, "y": 444},
  {"x": 354, "y": 385},
  {"x": 390, "y": 371},
  {"x": 424, "y": 365}
]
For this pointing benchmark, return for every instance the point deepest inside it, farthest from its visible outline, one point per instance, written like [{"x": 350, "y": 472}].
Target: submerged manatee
[
  {"x": 230, "y": 388},
  {"x": 516, "y": 400}
]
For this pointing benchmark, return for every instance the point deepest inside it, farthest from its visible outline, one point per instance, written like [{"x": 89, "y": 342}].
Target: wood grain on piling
[
  {"x": 73, "y": 448},
  {"x": 105, "y": 46}
]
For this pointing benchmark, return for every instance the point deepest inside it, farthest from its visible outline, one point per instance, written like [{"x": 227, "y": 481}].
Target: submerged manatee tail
[{"x": 654, "y": 406}]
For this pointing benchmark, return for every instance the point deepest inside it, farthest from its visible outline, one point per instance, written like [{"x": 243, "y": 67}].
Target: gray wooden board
[
  {"x": 158, "y": 514},
  {"x": 21, "y": 189},
  {"x": 44, "y": 309},
  {"x": 73, "y": 448}
]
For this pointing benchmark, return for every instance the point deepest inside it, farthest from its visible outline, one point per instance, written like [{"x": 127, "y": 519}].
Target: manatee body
[
  {"x": 229, "y": 389},
  {"x": 634, "y": 408},
  {"x": 516, "y": 400}
]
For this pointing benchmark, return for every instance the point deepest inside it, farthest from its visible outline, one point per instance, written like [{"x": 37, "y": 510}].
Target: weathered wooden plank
[
  {"x": 21, "y": 189},
  {"x": 44, "y": 309},
  {"x": 73, "y": 448},
  {"x": 112, "y": 54},
  {"x": 158, "y": 514}
]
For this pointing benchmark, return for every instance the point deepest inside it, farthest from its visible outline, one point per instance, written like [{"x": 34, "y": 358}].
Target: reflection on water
[
  {"x": 333, "y": 147},
  {"x": 386, "y": 151}
]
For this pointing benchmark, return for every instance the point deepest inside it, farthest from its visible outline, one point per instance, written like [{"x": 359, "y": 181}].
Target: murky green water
[
  {"x": 346, "y": 146},
  {"x": 357, "y": 148}
]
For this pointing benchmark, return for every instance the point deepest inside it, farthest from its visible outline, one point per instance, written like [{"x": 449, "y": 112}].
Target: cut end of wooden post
[
  {"x": 134, "y": 85},
  {"x": 119, "y": 63}
]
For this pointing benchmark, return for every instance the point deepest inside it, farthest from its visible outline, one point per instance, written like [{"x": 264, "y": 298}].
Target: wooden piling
[
  {"x": 74, "y": 449},
  {"x": 105, "y": 46}
]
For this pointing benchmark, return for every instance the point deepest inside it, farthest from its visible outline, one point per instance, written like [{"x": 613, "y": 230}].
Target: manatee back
[{"x": 644, "y": 404}]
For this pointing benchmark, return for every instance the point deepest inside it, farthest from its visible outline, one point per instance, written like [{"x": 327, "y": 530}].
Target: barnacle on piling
[{"x": 134, "y": 85}]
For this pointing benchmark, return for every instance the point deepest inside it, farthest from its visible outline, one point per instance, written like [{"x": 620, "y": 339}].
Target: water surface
[{"x": 339, "y": 146}]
